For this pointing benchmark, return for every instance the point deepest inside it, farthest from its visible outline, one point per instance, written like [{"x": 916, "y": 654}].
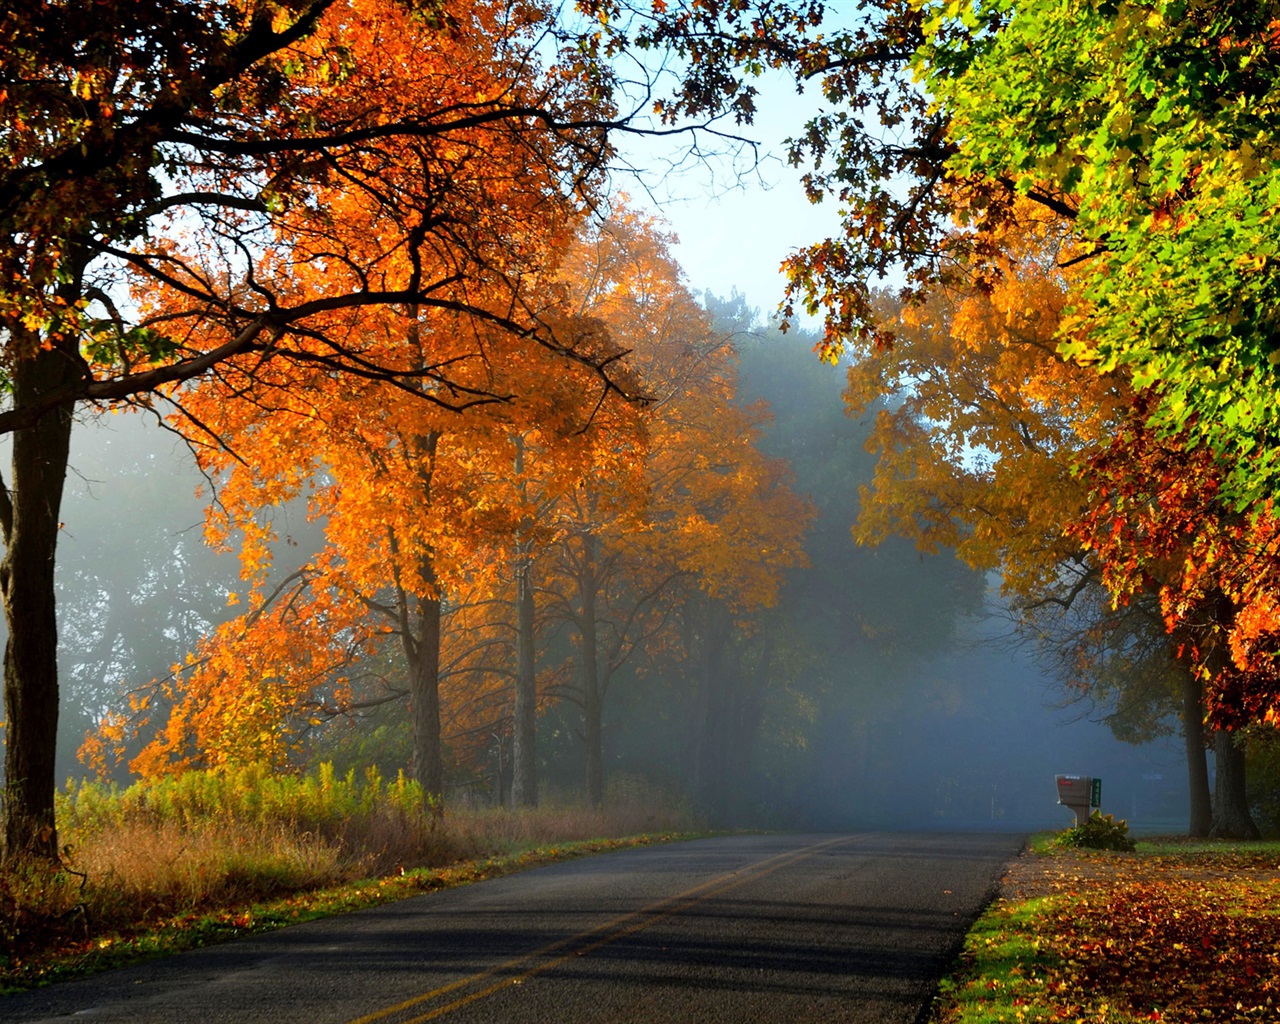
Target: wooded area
[{"x": 367, "y": 259}]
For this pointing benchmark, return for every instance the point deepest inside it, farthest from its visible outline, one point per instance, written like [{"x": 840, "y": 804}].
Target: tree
[
  {"x": 201, "y": 148},
  {"x": 133, "y": 127},
  {"x": 697, "y": 506},
  {"x": 982, "y": 447},
  {"x": 1159, "y": 520},
  {"x": 1154, "y": 123},
  {"x": 418, "y": 511}
]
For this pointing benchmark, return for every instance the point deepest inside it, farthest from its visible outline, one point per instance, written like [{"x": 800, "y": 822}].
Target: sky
[{"x": 737, "y": 224}]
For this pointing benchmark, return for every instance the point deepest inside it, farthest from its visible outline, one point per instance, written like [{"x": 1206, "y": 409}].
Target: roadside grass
[
  {"x": 203, "y": 857},
  {"x": 1178, "y": 931}
]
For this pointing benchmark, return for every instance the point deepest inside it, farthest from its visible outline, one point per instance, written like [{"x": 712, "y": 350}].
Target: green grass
[
  {"x": 1006, "y": 964},
  {"x": 1179, "y": 931}
]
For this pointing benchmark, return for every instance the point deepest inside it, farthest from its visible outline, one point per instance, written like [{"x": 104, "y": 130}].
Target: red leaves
[
  {"x": 1156, "y": 521},
  {"x": 1174, "y": 947}
]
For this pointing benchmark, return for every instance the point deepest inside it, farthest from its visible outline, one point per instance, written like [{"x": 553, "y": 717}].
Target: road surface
[{"x": 776, "y": 928}]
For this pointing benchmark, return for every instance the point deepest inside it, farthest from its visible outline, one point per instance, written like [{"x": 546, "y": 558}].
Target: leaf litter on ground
[{"x": 1177, "y": 932}]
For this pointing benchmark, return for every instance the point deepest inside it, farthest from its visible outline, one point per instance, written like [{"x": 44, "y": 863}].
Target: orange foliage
[
  {"x": 704, "y": 504},
  {"x": 1178, "y": 936},
  {"x": 979, "y": 424},
  {"x": 1157, "y": 520},
  {"x": 418, "y": 507},
  {"x": 992, "y": 444},
  {"x": 430, "y": 339},
  {"x": 427, "y": 508}
]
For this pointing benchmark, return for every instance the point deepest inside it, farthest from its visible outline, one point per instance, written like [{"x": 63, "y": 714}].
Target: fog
[
  {"x": 977, "y": 744},
  {"x": 891, "y": 695}
]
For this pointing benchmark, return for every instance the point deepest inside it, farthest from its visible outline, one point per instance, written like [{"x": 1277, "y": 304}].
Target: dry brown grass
[{"x": 143, "y": 857}]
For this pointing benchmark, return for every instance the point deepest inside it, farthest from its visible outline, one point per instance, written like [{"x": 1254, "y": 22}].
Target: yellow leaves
[{"x": 977, "y": 447}]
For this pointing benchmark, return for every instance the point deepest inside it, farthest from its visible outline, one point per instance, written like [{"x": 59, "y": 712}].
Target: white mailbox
[{"x": 1081, "y": 793}]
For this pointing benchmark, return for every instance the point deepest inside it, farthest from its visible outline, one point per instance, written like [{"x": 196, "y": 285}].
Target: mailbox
[{"x": 1081, "y": 793}]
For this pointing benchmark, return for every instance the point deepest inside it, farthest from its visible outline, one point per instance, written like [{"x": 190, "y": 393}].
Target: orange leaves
[
  {"x": 1161, "y": 525},
  {"x": 710, "y": 506},
  {"x": 248, "y": 695},
  {"x": 1176, "y": 937},
  {"x": 979, "y": 423},
  {"x": 1202, "y": 949}
]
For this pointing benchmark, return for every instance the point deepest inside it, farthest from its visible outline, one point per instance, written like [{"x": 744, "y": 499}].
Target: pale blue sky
[{"x": 736, "y": 225}]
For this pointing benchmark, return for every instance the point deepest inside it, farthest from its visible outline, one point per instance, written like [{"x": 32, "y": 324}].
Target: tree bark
[
  {"x": 589, "y": 669},
  {"x": 524, "y": 755},
  {"x": 424, "y": 700},
  {"x": 1201, "y": 808},
  {"x": 1231, "y": 817},
  {"x": 420, "y": 637},
  {"x": 29, "y": 516},
  {"x": 524, "y": 730}
]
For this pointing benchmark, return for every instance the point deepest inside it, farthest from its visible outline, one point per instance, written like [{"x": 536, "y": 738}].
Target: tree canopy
[
  {"x": 187, "y": 184},
  {"x": 276, "y": 216},
  {"x": 1155, "y": 124}
]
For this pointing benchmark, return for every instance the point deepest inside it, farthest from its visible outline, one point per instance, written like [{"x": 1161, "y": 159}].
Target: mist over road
[{"x": 777, "y": 928}]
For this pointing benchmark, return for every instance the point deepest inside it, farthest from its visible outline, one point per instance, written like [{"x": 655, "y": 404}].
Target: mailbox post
[{"x": 1080, "y": 793}]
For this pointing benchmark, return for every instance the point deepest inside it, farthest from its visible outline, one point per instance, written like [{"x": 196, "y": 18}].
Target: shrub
[
  {"x": 1100, "y": 832},
  {"x": 39, "y": 902}
]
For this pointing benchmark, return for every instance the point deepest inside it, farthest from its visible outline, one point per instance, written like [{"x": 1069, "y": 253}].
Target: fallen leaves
[
  {"x": 1175, "y": 936},
  {"x": 1206, "y": 949}
]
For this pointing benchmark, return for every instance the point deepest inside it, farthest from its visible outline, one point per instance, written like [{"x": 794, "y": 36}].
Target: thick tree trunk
[
  {"x": 30, "y": 521},
  {"x": 1197, "y": 764},
  {"x": 424, "y": 700},
  {"x": 524, "y": 755},
  {"x": 1231, "y": 817},
  {"x": 420, "y": 637}
]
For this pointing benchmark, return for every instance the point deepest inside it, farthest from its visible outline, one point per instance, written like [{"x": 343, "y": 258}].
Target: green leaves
[
  {"x": 109, "y": 343},
  {"x": 1156, "y": 124}
]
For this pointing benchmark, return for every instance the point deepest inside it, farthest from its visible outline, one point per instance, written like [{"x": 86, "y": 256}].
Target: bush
[{"x": 1100, "y": 832}]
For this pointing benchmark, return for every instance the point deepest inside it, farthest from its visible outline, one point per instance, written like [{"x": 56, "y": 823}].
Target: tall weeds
[{"x": 206, "y": 840}]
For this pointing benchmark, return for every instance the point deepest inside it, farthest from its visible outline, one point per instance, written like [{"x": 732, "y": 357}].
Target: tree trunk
[
  {"x": 592, "y": 697},
  {"x": 524, "y": 728},
  {"x": 29, "y": 517},
  {"x": 1197, "y": 765},
  {"x": 424, "y": 700},
  {"x": 524, "y": 756},
  {"x": 420, "y": 638},
  {"x": 712, "y": 725},
  {"x": 1231, "y": 818}
]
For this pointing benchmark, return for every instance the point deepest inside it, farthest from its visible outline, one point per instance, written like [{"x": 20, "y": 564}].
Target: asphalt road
[{"x": 777, "y": 928}]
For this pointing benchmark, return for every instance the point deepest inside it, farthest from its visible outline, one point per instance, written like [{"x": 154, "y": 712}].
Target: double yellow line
[{"x": 515, "y": 971}]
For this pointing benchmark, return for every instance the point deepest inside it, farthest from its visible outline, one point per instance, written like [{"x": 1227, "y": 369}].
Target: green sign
[{"x": 1095, "y": 793}]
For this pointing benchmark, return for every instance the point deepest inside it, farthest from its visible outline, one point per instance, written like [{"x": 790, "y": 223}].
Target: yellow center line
[{"x": 595, "y": 938}]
